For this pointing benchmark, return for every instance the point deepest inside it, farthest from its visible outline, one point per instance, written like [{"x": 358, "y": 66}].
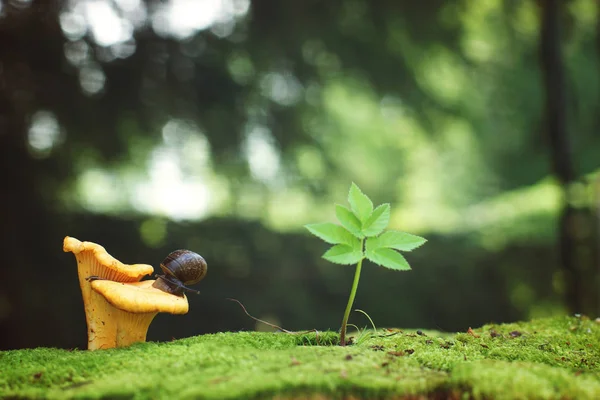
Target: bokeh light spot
[
  {"x": 262, "y": 156},
  {"x": 73, "y": 24},
  {"x": 168, "y": 192},
  {"x": 44, "y": 133},
  {"x": 183, "y": 18},
  {"x": 106, "y": 25},
  {"x": 77, "y": 52},
  {"x": 153, "y": 231},
  {"x": 282, "y": 88},
  {"x": 240, "y": 67},
  {"x": 92, "y": 79}
]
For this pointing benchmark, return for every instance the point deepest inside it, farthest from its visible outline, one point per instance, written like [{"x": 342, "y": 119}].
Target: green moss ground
[{"x": 547, "y": 358}]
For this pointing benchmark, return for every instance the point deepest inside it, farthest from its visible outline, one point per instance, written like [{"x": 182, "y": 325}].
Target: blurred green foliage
[{"x": 229, "y": 138}]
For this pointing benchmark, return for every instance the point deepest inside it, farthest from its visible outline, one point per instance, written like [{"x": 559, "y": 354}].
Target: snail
[{"x": 181, "y": 268}]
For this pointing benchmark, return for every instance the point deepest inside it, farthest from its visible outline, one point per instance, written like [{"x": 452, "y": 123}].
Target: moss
[{"x": 546, "y": 359}]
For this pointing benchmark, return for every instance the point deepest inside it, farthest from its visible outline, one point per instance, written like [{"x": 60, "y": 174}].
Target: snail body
[{"x": 181, "y": 268}]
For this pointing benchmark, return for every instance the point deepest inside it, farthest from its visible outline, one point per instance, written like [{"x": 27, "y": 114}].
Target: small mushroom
[
  {"x": 131, "y": 308},
  {"x": 94, "y": 261}
]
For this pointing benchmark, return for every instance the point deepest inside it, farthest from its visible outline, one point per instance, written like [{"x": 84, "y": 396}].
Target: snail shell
[
  {"x": 181, "y": 268},
  {"x": 185, "y": 265}
]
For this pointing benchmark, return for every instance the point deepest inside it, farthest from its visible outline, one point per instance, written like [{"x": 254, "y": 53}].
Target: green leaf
[
  {"x": 361, "y": 205},
  {"x": 396, "y": 240},
  {"x": 343, "y": 254},
  {"x": 348, "y": 220},
  {"x": 388, "y": 258},
  {"x": 332, "y": 233},
  {"x": 378, "y": 221}
]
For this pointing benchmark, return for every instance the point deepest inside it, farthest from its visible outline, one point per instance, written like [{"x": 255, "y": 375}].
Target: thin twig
[
  {"x": 390, "y": 334},
  {"x": 277, "y": 326},
  {"x": 259, "y": 320}
]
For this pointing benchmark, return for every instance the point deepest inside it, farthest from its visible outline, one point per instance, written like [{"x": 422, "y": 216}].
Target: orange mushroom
[
  {"x": 118, "y": 307},
  {"x": 94, "y": 261}
]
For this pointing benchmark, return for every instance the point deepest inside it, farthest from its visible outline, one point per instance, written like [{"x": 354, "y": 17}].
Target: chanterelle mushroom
[
  {"x": 133, "y": 306},
  {"x": 94, "y": 260}
]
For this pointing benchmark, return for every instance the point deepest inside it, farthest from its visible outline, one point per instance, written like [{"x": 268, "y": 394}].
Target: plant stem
[{"x": 351, "y": 300}]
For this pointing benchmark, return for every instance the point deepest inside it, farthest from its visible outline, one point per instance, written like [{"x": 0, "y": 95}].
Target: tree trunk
[
  {"x": 560, "y": 148},
  {"x": 23, "y": 213}
]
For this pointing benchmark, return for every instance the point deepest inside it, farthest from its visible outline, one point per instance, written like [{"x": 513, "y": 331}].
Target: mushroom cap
[
  {"x": 140, "y": 297},
  {"x": 111, "y": 267}
]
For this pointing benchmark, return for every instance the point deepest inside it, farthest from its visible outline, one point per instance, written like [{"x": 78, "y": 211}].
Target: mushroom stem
[
  {"x": 111, "y": 327},
  {"x": 99, "y": 316},
  {"x": 132, "y": 327},
  {"x": 98, "y": 312}
]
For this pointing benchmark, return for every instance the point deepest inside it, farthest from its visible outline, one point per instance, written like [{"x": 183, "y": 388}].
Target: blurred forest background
[{"x": 224, "y": 126}]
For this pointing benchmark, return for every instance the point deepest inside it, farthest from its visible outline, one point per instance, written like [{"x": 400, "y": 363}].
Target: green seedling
[{"x": 361, "y": 236}]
